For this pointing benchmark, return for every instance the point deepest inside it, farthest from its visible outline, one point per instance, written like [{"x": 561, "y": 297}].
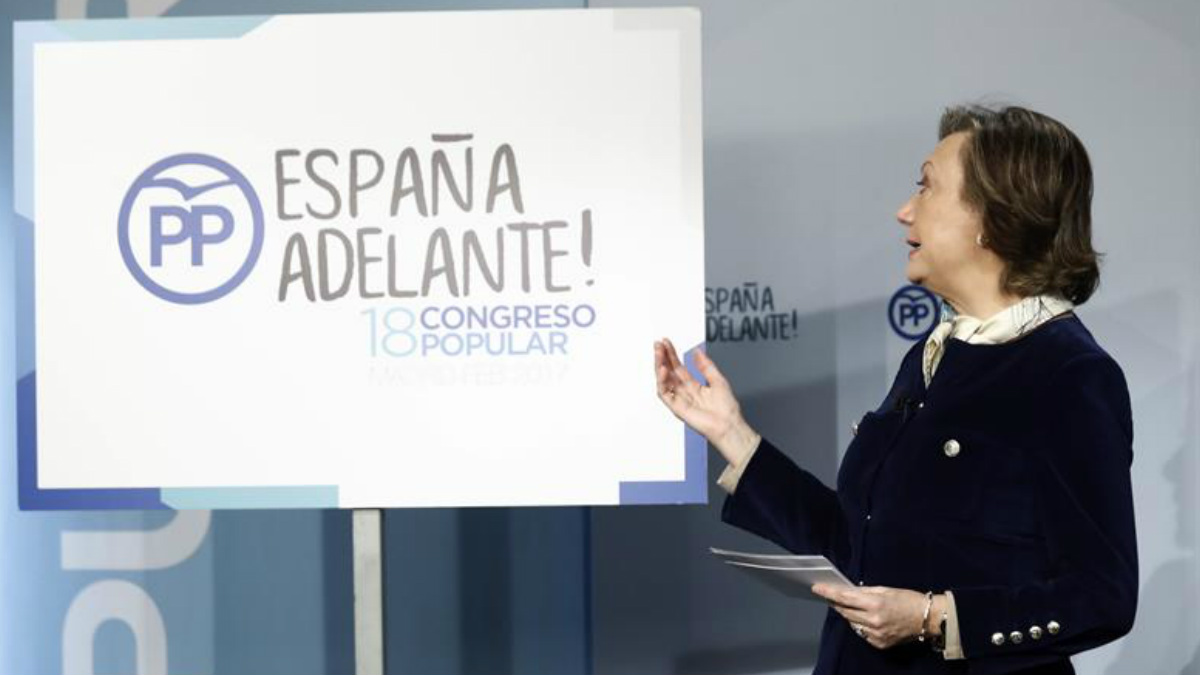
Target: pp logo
[
  {"x": 190, "y": 229},
  {"x": 913, "y": 312}
]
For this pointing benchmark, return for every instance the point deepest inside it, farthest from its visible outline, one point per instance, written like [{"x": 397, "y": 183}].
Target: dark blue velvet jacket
[{"x": 1029, "y": 523}]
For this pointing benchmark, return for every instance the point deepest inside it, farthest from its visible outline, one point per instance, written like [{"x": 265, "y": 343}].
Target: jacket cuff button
[
  {"x": 1035, "y": 632},
  {"x": 997, "y": 639},
  {"x": 1053, "y": 627},
  {"x": 1015, "y": 637}
]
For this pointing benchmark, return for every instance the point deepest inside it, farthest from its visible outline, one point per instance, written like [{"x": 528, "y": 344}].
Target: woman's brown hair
[{"x": 1030, "y": 180}]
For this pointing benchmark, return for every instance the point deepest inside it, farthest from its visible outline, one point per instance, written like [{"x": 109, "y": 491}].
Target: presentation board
[{"x": 357, "y": 260}]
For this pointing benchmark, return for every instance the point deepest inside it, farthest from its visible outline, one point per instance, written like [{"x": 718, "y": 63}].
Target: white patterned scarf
[{"x": 1005, "y": 325}]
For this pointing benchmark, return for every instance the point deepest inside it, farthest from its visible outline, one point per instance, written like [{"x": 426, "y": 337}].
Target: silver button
[
  {"x": 861, "y": 583},
  {"x": 951, "y": 448},
  {"x": 1015, "y": 637},
  {"x": 1053, "y": 627},
  {"x": 997, "y": 639},
  {"x": 921, "y": 404},
  {"x": 1035, "y": 632},
  {"x": 868, "y": 516},
  {"x": 854, "y": 429}
]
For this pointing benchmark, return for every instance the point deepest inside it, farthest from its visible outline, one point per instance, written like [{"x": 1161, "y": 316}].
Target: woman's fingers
[
  {"x": 680, "y": 371},
  {"x": 665, "y": 367},
  {"x": 858, "y": 616},
  {"x": 660, "y": 362},
  {"x": 876, "y": 635},
  {"x": 846, "y": 597},
  {"x": 666, "y": 381},
  {"x": 672, "y": 355},
  {"x": 670, "y": 390},
  {"x": 662, "y": 378},
  {"x": 661, "y": 372},
  {"x": 886, "y": 615},
  {"x": 709, "y": 369}
]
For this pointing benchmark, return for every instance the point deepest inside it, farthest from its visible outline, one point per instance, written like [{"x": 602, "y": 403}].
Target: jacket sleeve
[
  {"x": 1081, "y": 479},
  {"x": 779, "y": 501}
]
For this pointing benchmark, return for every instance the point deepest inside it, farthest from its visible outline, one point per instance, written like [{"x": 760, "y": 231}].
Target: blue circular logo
[
  {"x": 190, "y": 228},
  {"x": 913, "y": 312}
]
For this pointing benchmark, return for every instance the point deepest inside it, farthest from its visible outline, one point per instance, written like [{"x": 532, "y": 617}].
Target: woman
[{"x": 984, "y": 510}]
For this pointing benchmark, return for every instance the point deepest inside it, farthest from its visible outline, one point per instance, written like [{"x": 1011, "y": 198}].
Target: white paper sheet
[{"x": 793, "y": 575}]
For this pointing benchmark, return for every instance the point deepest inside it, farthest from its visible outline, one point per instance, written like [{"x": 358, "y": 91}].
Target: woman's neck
[{"x": 982, "y": 305}]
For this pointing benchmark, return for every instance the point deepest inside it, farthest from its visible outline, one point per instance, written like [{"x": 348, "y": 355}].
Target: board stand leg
[{"x": 368, "y": 592}]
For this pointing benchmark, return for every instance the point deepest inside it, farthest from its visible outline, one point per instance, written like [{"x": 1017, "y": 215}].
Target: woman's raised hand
[{"x": 712, "y": 409}]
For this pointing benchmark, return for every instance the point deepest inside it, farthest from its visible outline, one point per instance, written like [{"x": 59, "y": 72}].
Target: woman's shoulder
[
  {"x": 1083, "y": 381},
  {"x": 1080, "y": 377},
  {"x": 1066, "y": 343}
]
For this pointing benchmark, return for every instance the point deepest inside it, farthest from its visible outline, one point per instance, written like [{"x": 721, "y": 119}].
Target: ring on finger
[{"x": 859, "y": 630}]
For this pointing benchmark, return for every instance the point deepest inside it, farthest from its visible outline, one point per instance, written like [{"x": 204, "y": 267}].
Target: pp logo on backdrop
[
  {"x": 190, "y": 229},
  {"x": 913, "y": 312}
]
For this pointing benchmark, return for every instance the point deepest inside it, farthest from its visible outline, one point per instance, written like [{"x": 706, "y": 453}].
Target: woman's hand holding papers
[{"x": 882, "y": 616}]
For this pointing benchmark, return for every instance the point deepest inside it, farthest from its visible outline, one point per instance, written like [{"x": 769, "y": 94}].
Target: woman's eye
[{"x": 923, "y": 184}]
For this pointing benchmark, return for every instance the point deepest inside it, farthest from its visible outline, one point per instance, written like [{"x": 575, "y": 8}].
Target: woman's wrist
[
  {"x": 933, "y": 624},
  {"x": 737, "y": 442}
]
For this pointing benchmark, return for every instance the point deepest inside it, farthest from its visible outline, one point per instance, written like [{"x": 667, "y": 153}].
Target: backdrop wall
[{"x": 817, "y": 116}]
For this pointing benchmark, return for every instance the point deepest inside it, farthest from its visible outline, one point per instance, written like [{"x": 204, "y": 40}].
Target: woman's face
[{"x": 941, "y": 229}]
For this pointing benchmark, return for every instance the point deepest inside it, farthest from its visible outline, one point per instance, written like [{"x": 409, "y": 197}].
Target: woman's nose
[{"x": 904, "y": 214}]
